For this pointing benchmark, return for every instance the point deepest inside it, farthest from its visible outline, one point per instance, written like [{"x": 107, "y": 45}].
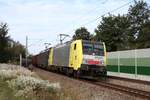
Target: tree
[
  {"x": 139, "y": 16},
  {"x": 4, "y": 38},
  {"x": 144, "y": 37},
  {"x": 82, "y": 33},
  {"x": 113, "y": 30},
  {"x": 17, "y": 49},
  {"x": 9, "y": 49}
]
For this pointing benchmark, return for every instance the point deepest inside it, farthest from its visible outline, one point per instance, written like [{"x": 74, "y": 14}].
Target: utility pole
[
  {"x": 20, "y": 59},
  {"x": 26, "y": 51},
  {"x": 62, "y": 37}
]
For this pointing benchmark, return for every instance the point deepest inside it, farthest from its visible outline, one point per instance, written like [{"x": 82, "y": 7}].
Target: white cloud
[{"x": 45, "y": 19}]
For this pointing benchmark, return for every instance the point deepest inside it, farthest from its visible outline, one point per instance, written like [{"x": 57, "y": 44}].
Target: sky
[{"x": 43, "y": 20}]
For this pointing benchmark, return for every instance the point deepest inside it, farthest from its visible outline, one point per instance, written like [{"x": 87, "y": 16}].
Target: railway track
[
  {"x": 129, "y": 80},
  {"x": 123, "y": 89}
]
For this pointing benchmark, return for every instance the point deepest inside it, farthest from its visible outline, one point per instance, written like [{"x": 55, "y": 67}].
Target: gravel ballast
[
  {"x": 78, "y": 90},
  {"x": 140, "y": 86}
]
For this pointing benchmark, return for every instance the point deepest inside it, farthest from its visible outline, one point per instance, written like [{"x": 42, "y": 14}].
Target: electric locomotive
[{"x": 80, "y": 58}]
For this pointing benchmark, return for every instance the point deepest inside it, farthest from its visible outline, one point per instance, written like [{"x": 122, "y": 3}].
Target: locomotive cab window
[
  {"x": 93, "y": 47},
  {"x": 98, "y": 49},
  {"x": 75, "y": 46}
]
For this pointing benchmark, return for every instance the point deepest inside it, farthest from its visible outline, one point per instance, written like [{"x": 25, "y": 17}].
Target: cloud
[{"x": 45, "y": 19}]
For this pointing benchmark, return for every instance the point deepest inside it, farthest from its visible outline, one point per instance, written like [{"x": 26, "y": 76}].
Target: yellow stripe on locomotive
[{"x": 50, "y": 60}]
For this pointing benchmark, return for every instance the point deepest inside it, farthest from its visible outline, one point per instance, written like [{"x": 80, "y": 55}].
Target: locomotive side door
[
  {"x": 73, "y": 55},
  {"x": 76, "y": 55}
]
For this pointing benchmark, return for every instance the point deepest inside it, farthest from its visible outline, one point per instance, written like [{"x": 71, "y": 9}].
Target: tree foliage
[
  {"x": 143, "y": 40},
  {"x": 139, "y": 16},
  {"x": 4, "y": 38},
  {"x": 128, "y": 31},
  {"x": 16, "y": 49},
  {"x": 113, "y": 31},
  {"x": 82, "y": 33},
  {"x": 9, "y": 49}
]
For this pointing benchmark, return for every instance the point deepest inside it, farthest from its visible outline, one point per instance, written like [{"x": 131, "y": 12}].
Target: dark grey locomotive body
[{"x": 61, "y": 55}]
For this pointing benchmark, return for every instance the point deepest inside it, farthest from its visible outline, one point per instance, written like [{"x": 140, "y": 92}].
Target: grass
[
  {"x": 18, "y": 83},
  {"x": 7, "y": 93}
]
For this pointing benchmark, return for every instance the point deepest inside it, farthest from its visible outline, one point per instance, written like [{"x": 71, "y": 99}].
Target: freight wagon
[{"x": 41, "y": 59}]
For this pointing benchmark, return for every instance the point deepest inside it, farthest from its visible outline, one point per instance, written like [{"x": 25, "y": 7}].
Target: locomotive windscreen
[{"x": 91, "y": 48}]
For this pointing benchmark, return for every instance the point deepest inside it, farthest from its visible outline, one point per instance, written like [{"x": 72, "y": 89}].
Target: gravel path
[{"x": 77, "y": 90}]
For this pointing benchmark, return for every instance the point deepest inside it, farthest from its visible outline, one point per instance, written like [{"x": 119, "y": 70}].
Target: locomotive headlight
[
  {"x": 102, "y": 62},
  {"x": 85, "y": 61}
]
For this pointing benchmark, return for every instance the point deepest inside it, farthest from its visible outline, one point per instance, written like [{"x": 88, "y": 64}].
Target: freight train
[{"x": 79, "y": 58}]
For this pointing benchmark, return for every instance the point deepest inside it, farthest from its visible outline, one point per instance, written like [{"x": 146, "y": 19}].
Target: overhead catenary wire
[
  {"x": 81, "y": 17},
  {"x": 36, "y": 42},
  {"x": 97, "y": 18},
  {"x": 93, "y": 20},
  {"x": 103, "y": 2},
  {"x": 107, "y": 13}
]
